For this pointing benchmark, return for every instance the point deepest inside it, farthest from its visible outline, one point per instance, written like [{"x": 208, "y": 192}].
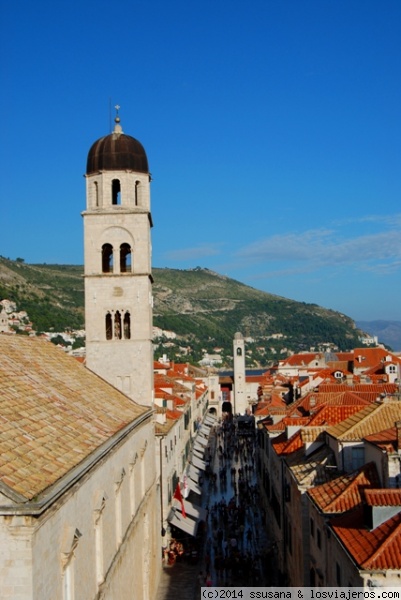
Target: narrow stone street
[{"x": 234, "y": 543}]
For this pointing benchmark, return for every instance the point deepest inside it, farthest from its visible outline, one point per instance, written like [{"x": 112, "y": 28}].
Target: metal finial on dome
[{"x": 117, "y": 127}]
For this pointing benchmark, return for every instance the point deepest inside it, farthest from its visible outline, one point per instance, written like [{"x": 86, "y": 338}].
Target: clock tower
[{"x": 240, "y": 399}]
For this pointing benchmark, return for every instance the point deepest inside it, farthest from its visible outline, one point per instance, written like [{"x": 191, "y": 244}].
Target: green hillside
[{"x": 203, "y": 308}]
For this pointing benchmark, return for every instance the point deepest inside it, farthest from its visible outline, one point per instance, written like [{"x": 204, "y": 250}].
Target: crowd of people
[{"x": 233, "y": 545}]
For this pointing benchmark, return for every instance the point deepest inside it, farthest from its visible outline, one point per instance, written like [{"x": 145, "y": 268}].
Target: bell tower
[
  {"x": 117, "y": 257},
  {"x": 240, "y": 400}
]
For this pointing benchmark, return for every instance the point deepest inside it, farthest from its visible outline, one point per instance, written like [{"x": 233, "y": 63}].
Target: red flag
[{"x": 178, "y": 496}]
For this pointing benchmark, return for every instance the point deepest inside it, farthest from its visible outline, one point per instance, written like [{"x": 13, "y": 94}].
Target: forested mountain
[{"x": 203, "y": 308}]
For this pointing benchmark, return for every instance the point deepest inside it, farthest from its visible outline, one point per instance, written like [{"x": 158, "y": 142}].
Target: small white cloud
[{"x": 330, "y": 248}]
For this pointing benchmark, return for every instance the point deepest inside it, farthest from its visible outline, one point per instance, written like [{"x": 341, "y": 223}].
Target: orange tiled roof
[
  {"x": 262, "y": 408},
  {"x": 174, "y": 414},
  {"x": 369, "y": 357},
  {"x": 314, "y": 400},
  {"x": 301, "y": 359},
  {"x": 378, "y": 549},
  {"x": 160, "y": 365},
  {"x": 383, "y": 497},
  {"x": 360, "y": 388},
  {"x": 288, "y": 421},
  {"x": 282, "y": 445},
  {"x": 387, "y": 439},
  {"x": 371, "y": 419},
  {"x": 54, "y": 414},
  {"x": 331, "y": 415},
  {"x": 162, "y": 381},
  {"x": 346, "y": 491},
  {"x": 288, "y": 445}
]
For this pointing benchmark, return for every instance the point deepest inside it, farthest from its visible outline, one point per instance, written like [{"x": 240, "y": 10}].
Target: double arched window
[
  {"x": 108, "y": 260},
  {"x": 118, "y": 325}
]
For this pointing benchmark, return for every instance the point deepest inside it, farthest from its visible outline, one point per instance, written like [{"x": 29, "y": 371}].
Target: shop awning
[
  {"x": 186, "y": 524},
  {"x": 195, "y": 511},
  {"x": 205, "y": 428},
  {"x": 201, "y": 440},
  {"x": 193, "y": 486},
  {"x": 193, "y": 473},
  {"x": 199, "y": 451},
  {"x": 198, "y": 463}
]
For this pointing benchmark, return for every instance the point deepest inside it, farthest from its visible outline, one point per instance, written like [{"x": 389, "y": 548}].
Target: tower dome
[{"x": 117, "y": 152}]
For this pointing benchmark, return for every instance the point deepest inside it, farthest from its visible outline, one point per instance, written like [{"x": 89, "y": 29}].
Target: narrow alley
[{"x": 231, "y": 549}]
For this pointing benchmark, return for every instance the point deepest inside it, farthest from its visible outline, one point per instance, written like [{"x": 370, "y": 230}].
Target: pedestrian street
[{"x": 232, "y": 547}]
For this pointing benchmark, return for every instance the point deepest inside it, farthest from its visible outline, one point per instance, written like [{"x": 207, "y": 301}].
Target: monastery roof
[
  {"x": 345, "y": 492},
  {"x": 54, "y": 414}
]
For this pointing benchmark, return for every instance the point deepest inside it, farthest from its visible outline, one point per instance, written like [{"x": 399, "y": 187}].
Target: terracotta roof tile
[
  {"x": 383, "y": 497},
  {"x": 288, "y": 421},
  {"x": 377, "y": 549},
  {"x": 360, "y": 388},
  {"x": 282, "y": 445},
  {"x": 371, "y": 419},
  {"x": 345, "y": 492},
  {"x": 331, "y": 415},
  {"x": 286, "y": 446},
  {"x": 54, "y": 413}
]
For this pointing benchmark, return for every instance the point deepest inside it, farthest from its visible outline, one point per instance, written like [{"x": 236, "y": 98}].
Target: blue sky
[{"x": 272, "y": 129}]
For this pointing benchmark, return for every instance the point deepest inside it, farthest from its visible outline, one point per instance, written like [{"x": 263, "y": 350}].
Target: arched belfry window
[
  {"x": 125, "y": 258},
  {"x": 107, "y": 258},
  {"x": 96, "y": 194},
  {"x": 239, "y": 352},
  {"x": 115, "y": 192},
  {"x": 127, "y": 326},
  {"x": 137, "y": 184},
  {"x": 109, "y": 326},
  {"x": 117, "y": 326}
]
